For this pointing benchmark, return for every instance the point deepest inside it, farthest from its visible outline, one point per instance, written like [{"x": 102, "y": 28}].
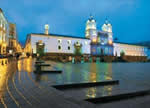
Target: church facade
[
  {"x": 101, "y": 40},
  {"x": 95, "y": 43},
  {"x": 58, "y": 44}
]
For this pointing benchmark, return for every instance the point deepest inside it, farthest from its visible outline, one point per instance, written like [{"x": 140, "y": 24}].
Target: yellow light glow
[
  {"x": 110, "y": 42},
  {"x": 19, "y": 65},
  {"x": 27, "y": 64},
  {"x": 91, "y": 92},
  {"x": 0, "y": 41},
  {"x": 94, "y": 40},
  {"x": 4, "y": 44},
  {"x": 3, "y": 76}
]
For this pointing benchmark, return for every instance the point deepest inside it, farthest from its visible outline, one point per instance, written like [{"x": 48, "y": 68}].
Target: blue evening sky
[{"x": 130, "y": 18}]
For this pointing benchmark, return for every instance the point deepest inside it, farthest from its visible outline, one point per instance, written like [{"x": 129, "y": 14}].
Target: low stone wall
[
  {"x": 103, "y": 58},
  {"x": 65, "y": 57},
  {"x": 87, "y": 58},
  {"x": 135, "y": 58},
  {"x": 109, "y": 58}
]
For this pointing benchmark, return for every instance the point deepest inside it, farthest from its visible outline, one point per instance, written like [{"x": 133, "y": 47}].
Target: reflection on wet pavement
[{"x": 20, "y": 87}]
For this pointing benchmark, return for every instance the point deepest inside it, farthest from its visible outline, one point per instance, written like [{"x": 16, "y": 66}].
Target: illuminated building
[
  {"x": 95, "y": 43},
  {"x": 12, "y": 38},
  {"x": 3, "y": 33},
  {"x": 130, "y": 49},
  {"x": 19, "y": 49},
  {"x": 91, "y": 29},
  {"x": 56, "y": 44},
  {"x": 107, "y": 28},
  {"x": 8, "y": 36},
  {"x": 46, "y": 29},
  {"x": 103, "y": 42}
]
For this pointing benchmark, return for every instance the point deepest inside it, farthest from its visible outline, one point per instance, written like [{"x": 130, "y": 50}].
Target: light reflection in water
[
  {"x": 27, "y": 64},
  {"x": 97, "y": 75},
  {"x": 108, "y": 89},
  {"x": 108, "y": 75},
  {"x": 3, "y": 77},
  {"x": 91, "y": 92},
  {"x": 93, "y": 73},
  {"x": 6, "y": 72},
  {"x": 19, "y": 65},
  {"x": 76, "y": 73}
]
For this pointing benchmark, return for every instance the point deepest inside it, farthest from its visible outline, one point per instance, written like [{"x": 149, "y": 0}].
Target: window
[
  {"x": 69, "y": 48},
  {"x": 59, "y": 47},
  {"x": 86, "y": 42},
  {"x": 59, "y": 40},
  {"x": 69, "y": 41}
]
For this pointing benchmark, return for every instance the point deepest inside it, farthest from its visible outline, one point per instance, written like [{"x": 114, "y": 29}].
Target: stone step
[
  {"x": 42, "y": 64},
  {"x": 39, "y": 62},
  {"x": 48, "y": 71},
  {"x": 121, "y": 96},
  {"x": 86, "y": 84}
]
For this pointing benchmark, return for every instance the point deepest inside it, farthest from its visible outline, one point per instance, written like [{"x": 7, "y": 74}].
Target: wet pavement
[{"x": 20, "y": 87}]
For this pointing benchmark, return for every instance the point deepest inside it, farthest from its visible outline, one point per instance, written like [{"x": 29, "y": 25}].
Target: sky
[{"x": 129, "y": 18}]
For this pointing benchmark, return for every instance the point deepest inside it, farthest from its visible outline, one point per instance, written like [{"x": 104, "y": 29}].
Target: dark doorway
[{"x": 40, "y": 48}]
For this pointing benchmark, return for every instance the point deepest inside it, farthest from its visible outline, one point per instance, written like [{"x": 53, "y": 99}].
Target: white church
[{"x": 96, "y": 43}]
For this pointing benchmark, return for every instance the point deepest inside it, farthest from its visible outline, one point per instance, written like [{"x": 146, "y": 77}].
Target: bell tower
[
  {"x": 91, "y": 29},
  {"x": 46, "y": 29},
  {"x": 107, "y": 27}
]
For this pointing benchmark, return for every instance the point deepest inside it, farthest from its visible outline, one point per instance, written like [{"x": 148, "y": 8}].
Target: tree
[
  {"x": 78, "y": 49},
  {"x": 122, "y": 53}
]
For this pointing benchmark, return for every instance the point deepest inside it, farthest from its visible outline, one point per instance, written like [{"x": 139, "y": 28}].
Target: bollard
[
  {"x": 2, "y": 62},
  {"x": 5, "y": 61}
]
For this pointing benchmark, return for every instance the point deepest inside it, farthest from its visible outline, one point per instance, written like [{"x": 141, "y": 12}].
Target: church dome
[
  {"x": 91, "y": 19},
  {"x": 107, "y": 27}
]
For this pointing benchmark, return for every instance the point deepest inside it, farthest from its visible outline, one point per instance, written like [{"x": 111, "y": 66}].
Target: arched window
[
  {"x": 59, "y": 47},
  {"x": 69, "y": 41},
  {"x": 59, "y": 40},
  {"x": 69, "y": 48}
]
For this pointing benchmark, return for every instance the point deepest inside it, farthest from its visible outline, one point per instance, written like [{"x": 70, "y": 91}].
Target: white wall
[
  {"x": 130, "y": 50},
  {"x": 51, "y": 44}
]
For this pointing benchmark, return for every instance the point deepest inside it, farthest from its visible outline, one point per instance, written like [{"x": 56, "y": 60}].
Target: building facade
[
  {"x": 12, "y": 46},
  {"x": 57, "y": 44},
  {"x": 3, "y": 34},
  {"x": 96, "y": 43},
  {"x": 102, "y": 47},
  {"x": 9, "y": 44},
  {"x": 101, "y": 40},
  {"x": 129, "y": 50}
]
